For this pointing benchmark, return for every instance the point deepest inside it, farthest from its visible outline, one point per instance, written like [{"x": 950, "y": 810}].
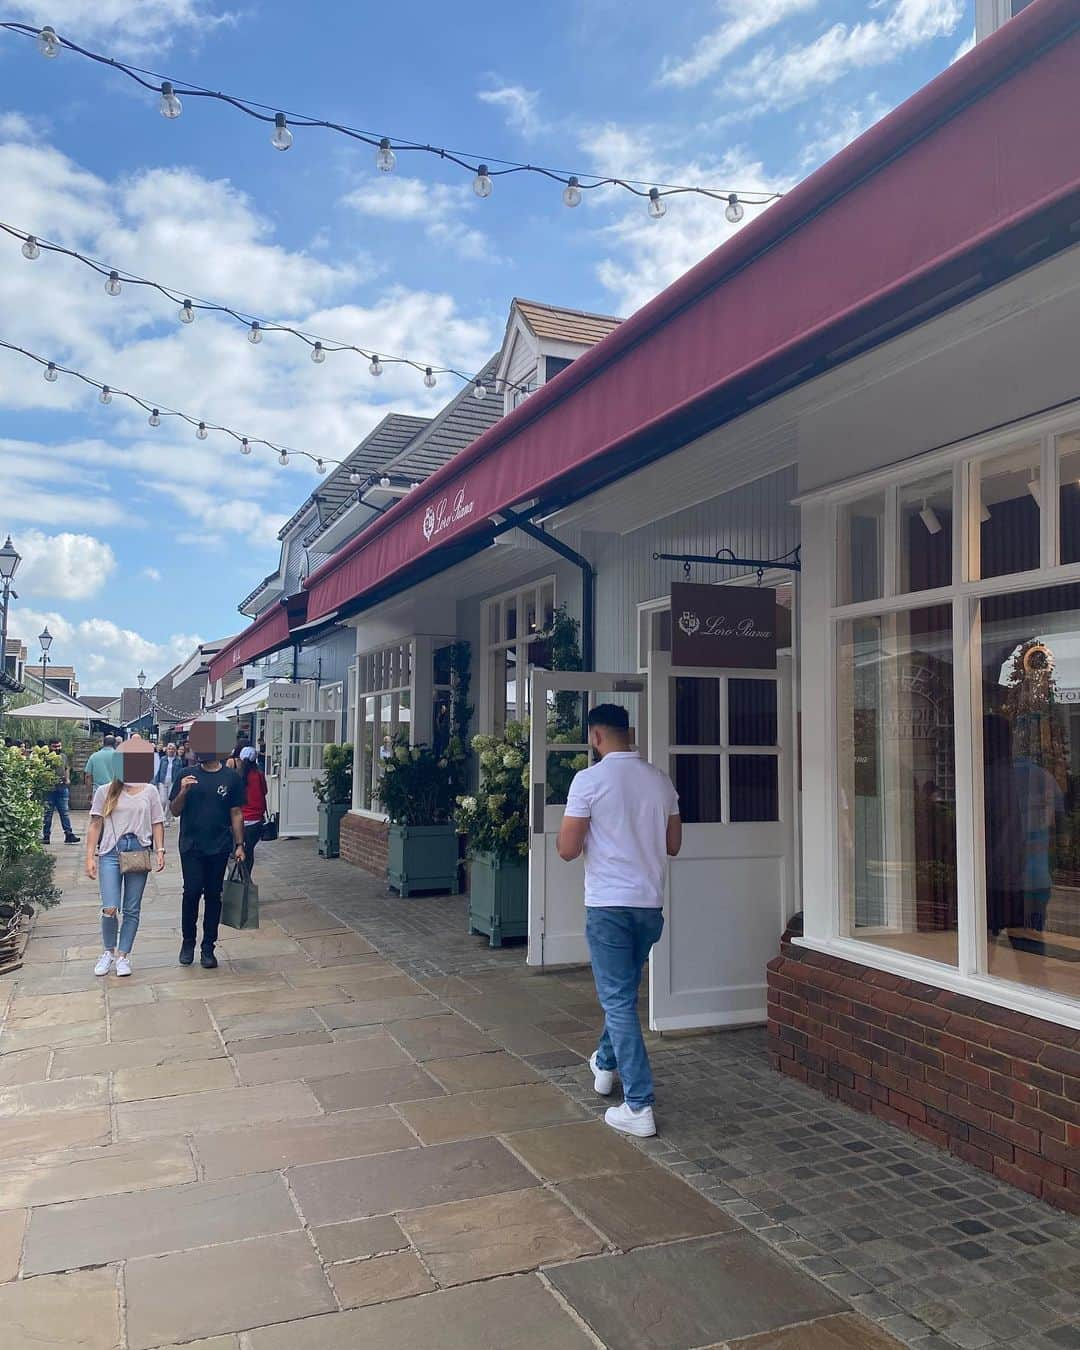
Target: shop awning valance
[
  {"x": 268, "y": 633},
  {"x": 908, "y": 219}
]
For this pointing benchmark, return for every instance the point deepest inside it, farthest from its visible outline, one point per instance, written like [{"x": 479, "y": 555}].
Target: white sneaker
[
  {"x": 625, "y": 1119},
  {"x": 123, "y": 965},
  {"x": 104, "y": 964},
  {"x": 603, "y": 1079}
]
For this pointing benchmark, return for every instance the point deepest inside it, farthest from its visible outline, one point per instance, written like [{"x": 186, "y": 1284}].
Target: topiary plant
[{"x": 334, "y": 788}]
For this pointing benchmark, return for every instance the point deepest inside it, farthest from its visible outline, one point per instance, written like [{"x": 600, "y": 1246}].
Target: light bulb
[
  {"x": 376, "y": 367},
  {"x": 482, "y": 183},
  {"x": 254, "y": 332},
  {"x": 657, "y": 205},
  {"x": 282, "y": 137},
  {"x": 413, "y": 487},
  {"x": 50, "y": 372},
  {"x": 112, "y": 286},
  {"x": 384, "y": 481},
  {"x": 155, "y": 418},
  {"x": 385, "y": 159},
  {"x": 245, "y": 448},
  {"x": 30, "y": 248},
  {"x": 48, "y": 42},
  {"x": 283, "y": 457},
  {"x": 186, "y": 312},
  {"x": 201, "y": 431},
  {"x": 171, "y": 107},
  {"x": 429, "y": 378},
  {"x": 572, "y": 193},
  {"x": 318, "y": 354},
  {"x": 320, "y": 467},
  {"x": 356, "y": 478},
  {"x": 478, "y": 391},
  {"x": 734, "y": 209},
  {"x": 106, "y": 394}
]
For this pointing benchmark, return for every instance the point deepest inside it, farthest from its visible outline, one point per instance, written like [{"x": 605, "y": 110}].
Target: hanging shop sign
[
  {"x": 733, "y": 626},
  {"x": 284, "y": 696}
]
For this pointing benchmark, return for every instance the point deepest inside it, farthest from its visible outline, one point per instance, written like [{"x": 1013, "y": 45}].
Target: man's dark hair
[
  {"x": 610, "y": 716},
  {"x": 108, "y": 740}
]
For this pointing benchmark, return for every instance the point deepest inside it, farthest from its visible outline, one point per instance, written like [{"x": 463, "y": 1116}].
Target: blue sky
[{"x": 138, "y": 541}]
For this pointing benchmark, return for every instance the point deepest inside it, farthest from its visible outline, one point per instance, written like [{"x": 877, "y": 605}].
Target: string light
[
  {"x": 318, "y": 355},
  {"x": 171, "y": 107},
  {"x": 155, "y": 418},
  {"x": 734, "y": 211},
  {"x": 657, "y": 205},
  {"x": 282, "y": 137},
  {"x": 107, "y": 393},
  {"x": 283, "y": 457},
  {"x": 320, "y": 467},
  {"x": 479, "y": 392},
  {"x": 30, "y": 248},
  {"x": 112, "y": 286},
  {"x": 384, "y": 481},
  {"x": 185, "y": 304},
  {"x": 376, "y": 366},
  {"x": 355, "y": 477},
  {"x": 387, "y": 148},
  {"x": 572, "y": 192},
  {"x": 201, "y": 431},
  {"x": 255, "y": 333}
]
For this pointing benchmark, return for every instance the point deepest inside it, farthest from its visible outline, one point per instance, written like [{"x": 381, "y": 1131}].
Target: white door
[
  {"x": 725, "y": 737},
  {"x": 305, "y": 735},
  {"x": 558, "y": 745}
]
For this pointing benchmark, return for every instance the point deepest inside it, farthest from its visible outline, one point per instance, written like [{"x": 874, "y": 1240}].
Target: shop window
[
  {"x": 1068, "y": 451},
  {"x": 517, "y": 627},
  {"x": 897, "y": 803},
  {"x": 697, "y": 711},
  {"x": 698, "y": 781},
  {"x": 384, "y": 712},
  {"x": 925, "y": 545},
  {"x": 751, "y": 712},
  {"x": 1009, "y": 492},
  {"x": 754, "y": 787},
  {"x": 1030, "y": 674},
  {"x": 861, "y": 562}
]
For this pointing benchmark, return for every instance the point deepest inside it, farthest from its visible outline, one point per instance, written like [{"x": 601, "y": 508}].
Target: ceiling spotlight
[{"x": 930, "y": 519}]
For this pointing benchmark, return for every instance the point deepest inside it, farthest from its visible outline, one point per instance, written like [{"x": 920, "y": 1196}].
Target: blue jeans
[
  {"x": 57, "y": 800},
  {"x": 619, "y": 941},
  {"x": 123, "y": 893}
]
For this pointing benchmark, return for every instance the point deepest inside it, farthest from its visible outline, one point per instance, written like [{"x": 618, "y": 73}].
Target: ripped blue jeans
[{"x": 121, "y": 892}]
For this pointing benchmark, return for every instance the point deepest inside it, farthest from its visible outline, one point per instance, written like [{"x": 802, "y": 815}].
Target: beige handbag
[{"x": 133, "y": 855}]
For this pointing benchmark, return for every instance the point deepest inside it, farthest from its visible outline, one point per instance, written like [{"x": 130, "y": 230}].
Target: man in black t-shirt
[{"x": 208, "y": 799}]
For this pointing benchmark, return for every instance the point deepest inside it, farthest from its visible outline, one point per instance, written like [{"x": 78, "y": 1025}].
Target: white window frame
[
  {"x": 520, "y": 595},
  {"x": 371, "y": 685},
  {"x": 821, "y": 620}
]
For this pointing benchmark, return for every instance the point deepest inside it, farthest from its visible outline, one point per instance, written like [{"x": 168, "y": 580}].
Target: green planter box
[
  {"x": 499, "y": 898},
  {"x": 330, "y": 818},
  {"x": 422, "y": 858}
]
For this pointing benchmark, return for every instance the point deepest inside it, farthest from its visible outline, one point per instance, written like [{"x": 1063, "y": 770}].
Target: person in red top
[{"x": 254, "y": 808}]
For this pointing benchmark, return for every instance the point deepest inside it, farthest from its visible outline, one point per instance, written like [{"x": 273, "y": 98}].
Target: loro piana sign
[{"x": 733, "y": 626}]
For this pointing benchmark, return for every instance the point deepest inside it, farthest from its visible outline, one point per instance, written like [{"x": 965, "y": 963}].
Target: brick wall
[
  {"x": 363, "y": 843},
  {"x": 997, "y": 1088}
]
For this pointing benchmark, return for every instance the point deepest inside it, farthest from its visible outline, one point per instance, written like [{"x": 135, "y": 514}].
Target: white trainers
[
  {"x": 603, "y": 1079},
  {"x": 104, "y": 963},
  {"x": 628, "y": 1121},
  {"x": 123, "y": 965}
]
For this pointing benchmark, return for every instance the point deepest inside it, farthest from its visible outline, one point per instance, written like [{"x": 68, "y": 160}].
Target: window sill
[
  {"x": 1000, "y": 993},
  {"x": 364, "y": 814}
]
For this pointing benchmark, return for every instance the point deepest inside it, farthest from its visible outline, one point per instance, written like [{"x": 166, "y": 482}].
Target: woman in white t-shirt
[{"x": 119, "y": 810}]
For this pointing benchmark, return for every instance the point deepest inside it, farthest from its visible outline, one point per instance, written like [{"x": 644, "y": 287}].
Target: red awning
[
  {"x": 266, "y": 634},
  {"x": 984, "y": 148}
]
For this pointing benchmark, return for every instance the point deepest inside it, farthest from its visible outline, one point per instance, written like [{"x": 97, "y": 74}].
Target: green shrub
[
  {"x": 418, "y": 787},
  {"x": 496, "y": 818},
  {"x": 25, "y": 869},
  {"x": 334, "y": 788}
]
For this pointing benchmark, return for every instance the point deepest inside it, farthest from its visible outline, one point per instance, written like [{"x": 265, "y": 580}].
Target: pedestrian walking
[
  {"x": 254, "y": 808},
  {"x": 126, "y": 819},
  {"x": 208, "y": 799},
  {"x": 58, "y": 798},
  {"x": 104, "y": 764},
  {"x": 169, "y": 767},
  {"x": 623, "y": 814}
]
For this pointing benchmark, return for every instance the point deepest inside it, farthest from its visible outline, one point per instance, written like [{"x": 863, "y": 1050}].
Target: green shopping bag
[{"x": 240, "y": 899}]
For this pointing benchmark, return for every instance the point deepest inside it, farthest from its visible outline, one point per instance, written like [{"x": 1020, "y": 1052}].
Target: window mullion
[{"x": 967, "y": 698}]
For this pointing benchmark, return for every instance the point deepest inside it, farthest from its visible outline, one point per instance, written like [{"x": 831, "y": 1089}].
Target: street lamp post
[
  {"x": 141, "y": 677},
  {"x": 45, "y": 639},
  {"x": 9, "y": 562}
]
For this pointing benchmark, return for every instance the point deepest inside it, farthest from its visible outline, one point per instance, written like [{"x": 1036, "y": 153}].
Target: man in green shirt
[{"x": 104, "y": 764}]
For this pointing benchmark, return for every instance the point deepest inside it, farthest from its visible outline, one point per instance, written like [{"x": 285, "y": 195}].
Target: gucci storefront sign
[{"x": 723, "y": 626}]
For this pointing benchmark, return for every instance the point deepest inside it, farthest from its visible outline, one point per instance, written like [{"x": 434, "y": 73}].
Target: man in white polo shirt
[{"x": 624, "y": 815}]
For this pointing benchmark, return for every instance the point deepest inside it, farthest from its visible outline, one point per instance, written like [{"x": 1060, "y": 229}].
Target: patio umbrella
[{"x": 56, "y": 709}]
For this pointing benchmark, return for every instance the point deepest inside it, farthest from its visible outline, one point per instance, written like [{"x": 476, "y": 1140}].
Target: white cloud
[
  {"x": 106, "y": 656},
  {"x": 966, "y": 46},
  {"x": 831, "y": 129},
  {"x": 740, "y": 24},
  {"x": 65, "y": 566},
  {"x": 520, "y": 105},
  {"x": 151, "y": 574},
  {"x": 130, "y": 26},
  {"x": 773, "y": 79},
  {"x": 441, "y": 210}
]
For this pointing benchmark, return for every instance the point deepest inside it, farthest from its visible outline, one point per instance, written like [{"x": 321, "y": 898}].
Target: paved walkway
[{"x": 368, "y": 1128}]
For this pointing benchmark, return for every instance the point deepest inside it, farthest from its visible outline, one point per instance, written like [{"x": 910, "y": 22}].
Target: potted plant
[
  {"x": 334, "y": 791},
  {"x": 495, "y": 822},
  {"x": 417, "y": 791}
]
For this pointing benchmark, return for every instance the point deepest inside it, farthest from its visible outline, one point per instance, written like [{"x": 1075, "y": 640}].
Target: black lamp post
[
  {"x": 45, "y": 639},
  {"x": 9, "y": 562},
  {"x": 141, "y": 677}
]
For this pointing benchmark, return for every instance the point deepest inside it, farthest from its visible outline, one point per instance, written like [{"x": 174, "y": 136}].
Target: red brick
[
  {"x": 1048, "y": 1170},
  {"x": 1049, "y": 1123},
  {"x": 1066, "y": 1111},
  {"x": 1000, "y": 1148},
  {"x": 1044, "y": 1079},
  {"x": 1057, "y": 1150},
  {"x": 976, "y": 1156},
  {"x": 1062, "y": 1197},
  {"x": 929, "y": 1133},
  {"x": 890, "y": 1113},
  {"x": 1017, "y": 1044},
  {"x": 889, "y": 1002},
  {"x": 908, "y": 1105},
  {"x": 1056, "y": 1057},
  {"x": 856, "y": 1099},
  {"x": 1023, "y": 1136},
  {"x": 991, "y": 1101},
  {"x": 969, "y": 1029},
  {"x": 989, "y": 1059},
  {"x": 947, "y": 1044},
  {"x": 967, "y": 1072},
  {"x": 1017, "y": 1176},
  {"x": 1013, "y": 1089},
  {"x": 974, "y": 1115},
  {"x": 1053, "y": 1032}
]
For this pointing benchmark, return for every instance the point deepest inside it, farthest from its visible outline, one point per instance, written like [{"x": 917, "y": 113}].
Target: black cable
[{"x": 262, "y": 112}]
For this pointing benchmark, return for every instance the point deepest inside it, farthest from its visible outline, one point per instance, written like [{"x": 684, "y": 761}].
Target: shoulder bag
[{"x": 134, "y": 856}]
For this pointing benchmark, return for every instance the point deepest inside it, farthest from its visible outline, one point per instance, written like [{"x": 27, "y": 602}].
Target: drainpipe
[{"x": 588, "y": 582}]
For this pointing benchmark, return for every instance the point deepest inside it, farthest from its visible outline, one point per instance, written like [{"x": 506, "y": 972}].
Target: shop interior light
[{"x": 930, "y": 518}]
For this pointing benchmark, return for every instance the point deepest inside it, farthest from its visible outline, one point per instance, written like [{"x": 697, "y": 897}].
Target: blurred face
[
  {"x": 170, "y": 750},
  {"x": 137, "y": 758},
  {"x": 211, "y": 739}
]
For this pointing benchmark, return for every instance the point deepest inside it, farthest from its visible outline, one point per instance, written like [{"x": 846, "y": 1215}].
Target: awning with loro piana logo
[{"x": 938, "y": 201}]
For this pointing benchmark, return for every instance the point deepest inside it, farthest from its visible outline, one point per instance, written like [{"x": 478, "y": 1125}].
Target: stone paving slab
[
  {"x": 76, "y": 1174},
  {"x": 12, "y": 1227},
  {"x": 636, "y": 1208},
  {"x": 44, "y": 1311},
  {"x": 147, "y": 1053},
  {"x": 376, "y": 1051},
  {"x": 560, "y": 1152},
  {"x": 214, "y": 1110},
  {"x": 32, "y": 1134},
  {"x": 466, "y": 1115},
  {"x": 359, "y": 1238},
  {"x": 35, "y": 1099},
  {"x": 467, "y": 1073},
  {"x": 374, "y": 1087},
  {"x": 264, "y": 1148},
  {"x": 398, "y": 1275}
]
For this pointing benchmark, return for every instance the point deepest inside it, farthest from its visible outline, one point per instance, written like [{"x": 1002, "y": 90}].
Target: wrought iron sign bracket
[{"x": 725, "y": 557}]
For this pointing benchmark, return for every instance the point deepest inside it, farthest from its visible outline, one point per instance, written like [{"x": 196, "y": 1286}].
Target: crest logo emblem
[
  {"x": 429, "y": 523},
  {"x": 689, "y": 622}
]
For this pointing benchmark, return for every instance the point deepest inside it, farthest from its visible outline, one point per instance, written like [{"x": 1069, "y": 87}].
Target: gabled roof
[
  {"x": 53, "y": 672},
  {"x": 14, "y": 646},
  {"x": 566, "y": 325},
  {"x": 463, "y": 419},
  {"x": 98, "y": 701},
  {"x": 374, "y": 452}
]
